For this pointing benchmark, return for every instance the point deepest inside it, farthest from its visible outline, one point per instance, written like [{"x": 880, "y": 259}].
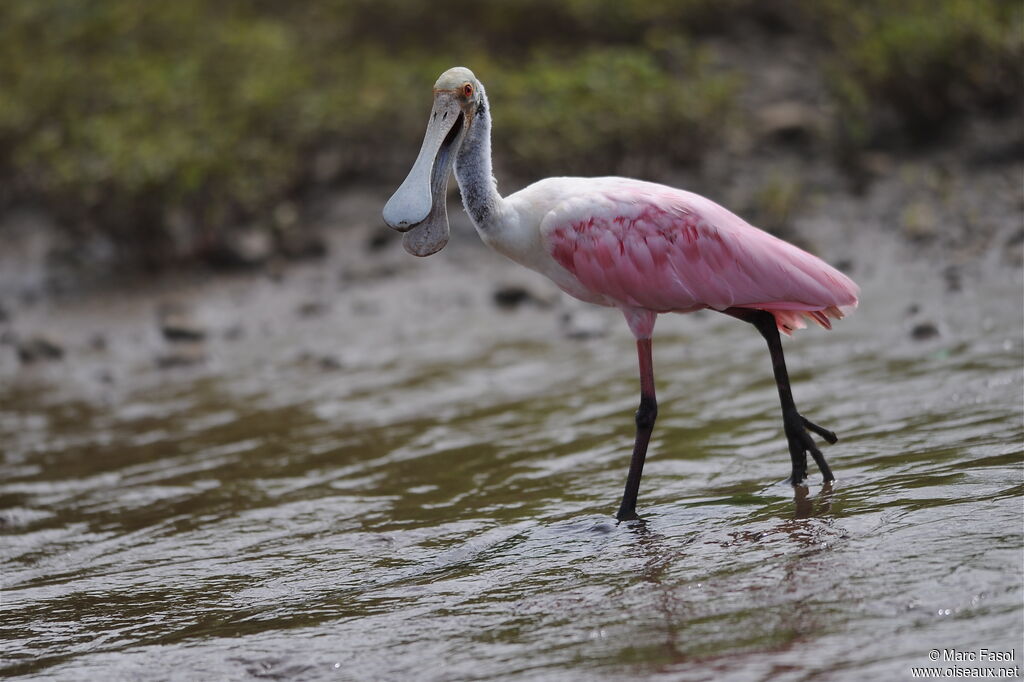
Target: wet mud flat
[{"x": 371, "y": 467}]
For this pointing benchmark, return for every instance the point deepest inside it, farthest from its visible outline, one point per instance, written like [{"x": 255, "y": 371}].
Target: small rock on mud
[
  {"x": 845, "y": 265},
  {"x": 380, "y": 239},
  {"x": 924, "y": 331},
  {"x": 38, "y": 348},
  {"x": 511, "y": 296},
  {"x": 789, "y": 122},
  {"x": 177, "y": 324}
]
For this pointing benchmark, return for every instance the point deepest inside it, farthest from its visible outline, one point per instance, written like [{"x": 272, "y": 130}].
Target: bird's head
[{"x": 418, "y": 207}]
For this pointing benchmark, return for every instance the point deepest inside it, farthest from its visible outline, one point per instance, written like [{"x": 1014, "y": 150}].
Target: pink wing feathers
[{"x": 651, "y": 247}]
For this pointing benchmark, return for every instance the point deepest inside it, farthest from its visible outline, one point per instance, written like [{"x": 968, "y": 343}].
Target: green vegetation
[
  {"x": 161, "y": 124},
  {"x": 624, "y": 104},
  {"x": 909, "y": 68}
]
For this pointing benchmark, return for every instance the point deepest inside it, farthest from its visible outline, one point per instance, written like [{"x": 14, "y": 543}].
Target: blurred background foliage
[{"x": 161, "y": 124}]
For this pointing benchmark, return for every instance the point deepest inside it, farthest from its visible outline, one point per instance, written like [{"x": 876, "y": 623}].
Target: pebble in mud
[
  {"x": 38, "y": 348},
  {"x": 177, "y": 324},
  {"x": 789, "y": 122},
  {"x": 380, "y": 240},
  {"x": 511, "y": 296},
  {"x": 184, "y": 334},
  {"x": 924, "y": 331},
  {"x": 845, "y": 265}
]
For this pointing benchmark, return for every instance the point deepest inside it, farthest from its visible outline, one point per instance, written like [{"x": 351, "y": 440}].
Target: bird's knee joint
[{"x": 647, "y": 413}]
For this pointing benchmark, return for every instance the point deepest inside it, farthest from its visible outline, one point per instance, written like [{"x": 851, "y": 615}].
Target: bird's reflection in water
[
  {"x": 807, "y": 507},
  {"x": 658, "y": 554},
  {"x": 810, "y": 523},
  {"x": 809, "y": 528}
]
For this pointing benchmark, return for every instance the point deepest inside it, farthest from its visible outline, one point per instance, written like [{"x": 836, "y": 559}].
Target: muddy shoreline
[{"x": 959, "y": 213}]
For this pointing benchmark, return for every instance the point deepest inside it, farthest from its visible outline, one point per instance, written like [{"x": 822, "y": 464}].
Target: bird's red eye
[{"x": 467, "y": 90}]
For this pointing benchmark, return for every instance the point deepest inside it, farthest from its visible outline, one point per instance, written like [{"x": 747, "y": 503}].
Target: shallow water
[{"x": 440, "y": 507}]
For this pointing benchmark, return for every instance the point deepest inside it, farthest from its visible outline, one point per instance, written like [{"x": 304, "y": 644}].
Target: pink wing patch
[{"x": 663, "y": 250}]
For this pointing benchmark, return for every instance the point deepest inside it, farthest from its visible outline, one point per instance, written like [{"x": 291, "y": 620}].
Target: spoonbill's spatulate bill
[{"x": 641, "y": 247}]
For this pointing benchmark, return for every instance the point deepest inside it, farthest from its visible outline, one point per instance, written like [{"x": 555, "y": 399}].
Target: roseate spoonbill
[{"x": 641, "y": 247}]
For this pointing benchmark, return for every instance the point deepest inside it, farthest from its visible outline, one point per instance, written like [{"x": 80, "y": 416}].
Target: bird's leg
[
  {"x": 796, "y": 425},
  {"x": 645, "y": 416}
]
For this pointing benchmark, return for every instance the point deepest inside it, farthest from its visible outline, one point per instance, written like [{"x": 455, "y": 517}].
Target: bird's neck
[{"x": 474, "y": 174}]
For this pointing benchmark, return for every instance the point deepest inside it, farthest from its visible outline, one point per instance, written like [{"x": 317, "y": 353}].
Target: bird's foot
[
  {"x": 801, "y": 443},
  {"x": 625, "y": 514},
  {"x": 633, "y": 521}
]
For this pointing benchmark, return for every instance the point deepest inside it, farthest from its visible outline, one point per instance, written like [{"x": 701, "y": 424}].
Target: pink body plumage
[{"x": 650, "y": 249}]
